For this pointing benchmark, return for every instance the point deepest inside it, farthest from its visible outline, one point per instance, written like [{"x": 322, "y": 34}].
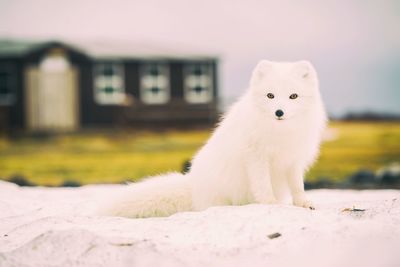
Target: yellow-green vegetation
[
  {"x": 127, "y": 155},
  {"x": 97, "y": 157},
  {"x": 357, "y": 145}
]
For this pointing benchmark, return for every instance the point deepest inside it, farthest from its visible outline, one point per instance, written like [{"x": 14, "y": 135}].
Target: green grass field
[{"x": 121, "y": 156}]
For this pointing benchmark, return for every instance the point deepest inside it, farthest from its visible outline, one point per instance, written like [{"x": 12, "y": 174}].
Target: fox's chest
[{"x": 285, "y": 144}]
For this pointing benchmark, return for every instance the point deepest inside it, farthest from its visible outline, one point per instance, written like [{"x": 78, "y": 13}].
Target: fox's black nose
[{"x": 279, "y": 113}]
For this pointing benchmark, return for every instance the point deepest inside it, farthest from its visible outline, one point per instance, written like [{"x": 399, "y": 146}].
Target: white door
[{"x": 52, "y": 99}]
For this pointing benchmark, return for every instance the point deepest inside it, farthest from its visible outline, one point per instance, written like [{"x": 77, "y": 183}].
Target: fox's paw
[{"x": 304, "y": 203}]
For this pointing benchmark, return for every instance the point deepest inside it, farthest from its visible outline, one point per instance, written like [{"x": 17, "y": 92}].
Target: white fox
[{"x": 258, "y": 153}]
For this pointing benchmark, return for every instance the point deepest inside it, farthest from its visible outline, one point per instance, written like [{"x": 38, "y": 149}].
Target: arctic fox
[{"x": 258, "y": 153}]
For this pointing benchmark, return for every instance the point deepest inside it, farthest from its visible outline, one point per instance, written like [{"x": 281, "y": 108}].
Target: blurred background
[{"x": 112, "y": 91}]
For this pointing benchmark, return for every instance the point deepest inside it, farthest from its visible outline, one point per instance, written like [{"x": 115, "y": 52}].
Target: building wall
[
  {"x": 175, "y": 112},
  {"x": 176, "y": 69},
  {"x": 12, "y": 116}
]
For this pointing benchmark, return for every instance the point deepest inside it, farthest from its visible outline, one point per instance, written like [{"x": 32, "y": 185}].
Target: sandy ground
[{"x": 53, "y": 227}]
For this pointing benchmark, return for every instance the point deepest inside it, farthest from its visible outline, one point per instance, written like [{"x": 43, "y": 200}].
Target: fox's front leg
[
  {"x": 260, "y": 182},
  {"x": 296, "y": 186}
]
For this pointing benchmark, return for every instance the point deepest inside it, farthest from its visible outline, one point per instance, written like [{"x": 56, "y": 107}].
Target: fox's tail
[{"x": 154, "y": 197}]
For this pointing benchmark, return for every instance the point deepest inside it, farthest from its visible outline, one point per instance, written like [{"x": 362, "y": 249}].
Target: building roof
[
  {"x": 10, "y": 47},
  {"x": 107, "y": 49}
]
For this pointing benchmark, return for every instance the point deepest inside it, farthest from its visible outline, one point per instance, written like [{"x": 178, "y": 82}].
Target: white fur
[
  {"x": 252, "y": 156},
  {"x": 155, "y": 196}
]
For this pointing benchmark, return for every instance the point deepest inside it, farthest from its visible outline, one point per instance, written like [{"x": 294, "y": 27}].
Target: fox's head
[{"x": 284, "y": 90}]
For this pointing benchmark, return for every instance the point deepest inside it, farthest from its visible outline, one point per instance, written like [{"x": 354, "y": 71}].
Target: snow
[{"x": 56, "y": 227}]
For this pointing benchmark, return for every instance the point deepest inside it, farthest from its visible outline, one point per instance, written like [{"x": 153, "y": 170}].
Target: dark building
[{"x": 68, "y": 86}]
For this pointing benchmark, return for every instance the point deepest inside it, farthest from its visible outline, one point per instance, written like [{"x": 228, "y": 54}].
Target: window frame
[
  {"x": 143, "y": 73},
  {"x": 101, "y": 97},
  {"x": 10, "y": 98},
  {"x": 188, "y": 73}
]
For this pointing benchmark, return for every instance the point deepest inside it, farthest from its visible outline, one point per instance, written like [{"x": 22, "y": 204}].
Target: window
[
  {"x": 154, "y": 83},
  {"x": 109, "y": 83},
  {"x": 198, "y": 83},
  {"x": 7, "y": 84}
]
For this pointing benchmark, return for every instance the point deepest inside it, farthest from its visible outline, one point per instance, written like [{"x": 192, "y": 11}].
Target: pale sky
[{"x": 354, "y": 45}]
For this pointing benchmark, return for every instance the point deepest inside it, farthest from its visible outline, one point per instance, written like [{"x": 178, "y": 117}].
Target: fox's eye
[
  {"x": 293, "y": 96},
  {"x": 269, "y": 95}
]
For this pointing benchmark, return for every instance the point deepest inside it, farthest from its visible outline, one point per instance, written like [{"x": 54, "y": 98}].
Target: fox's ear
[
  {"x": 260, "y": 71},
  {"x": 304, "y": 69}
]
